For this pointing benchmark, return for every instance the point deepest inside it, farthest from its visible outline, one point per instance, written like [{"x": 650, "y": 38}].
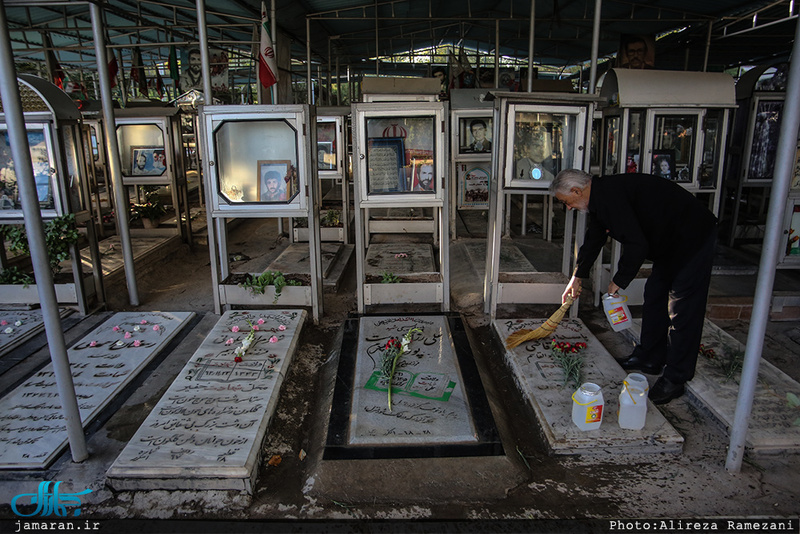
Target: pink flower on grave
[
  {"x": 255, "y": 327},
  {"x": 273, "y": 339},
  {"x": 144, "y": 321},
  {"x": 93, "y": 343},
  {"x": 401, "y": 255},
  {"x": 260, "y": 321},
  {"x": 156, "y": 328},
  {"x": 229, "y": 341},
  {"x": 235, "y": 329},
  {"x": 282, "y": 327},
  {"x": 127, "y": 335},
  {"x": 137, "y": 343},
  {"x": 3, "y": 322},
  {"x": 116, "y": 329}
]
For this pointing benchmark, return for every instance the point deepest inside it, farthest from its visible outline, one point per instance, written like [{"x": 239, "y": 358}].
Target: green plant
[
  {"x": 389, "y": 278},
  {"x": 13, "y": 275},
  {"x": 59, "y": 234},
  {"x": 332, "y": 218},
  {"x": 148, "y": 210},
  {"x": 794, "y": 402},
  {"x": 258, "y": 284}
]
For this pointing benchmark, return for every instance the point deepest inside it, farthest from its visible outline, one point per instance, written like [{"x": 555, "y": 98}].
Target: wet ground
[{"x": 548, "y": 494}]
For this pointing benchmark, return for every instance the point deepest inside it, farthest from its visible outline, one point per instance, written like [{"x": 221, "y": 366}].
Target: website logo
[{"x": 49, "y": 501}]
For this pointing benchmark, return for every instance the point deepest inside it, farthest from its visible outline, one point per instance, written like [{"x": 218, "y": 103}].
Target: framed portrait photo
[
  {"x": 148, "y": 160},
  {"x": 424, "y": 180},
  {"x": 664, "y": 164},
  {"x": 475, "y": 135},
  {"x": 277, "y": 181}
]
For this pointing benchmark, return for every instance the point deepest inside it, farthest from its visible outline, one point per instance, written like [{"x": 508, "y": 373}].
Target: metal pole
[
  {"x": 708, "y": 46},
  {"x": 530, "y": 52},
  {"x": 772, "y": 247},
  {"x": 497, "y": 53},
  {"x": 18, "y": 139},
  {"x": 202, "y": 31},
  {"x": 309, "y": 83},
  {"x": 598, "y": 6},
  {"x": 112, "y": 149},
  {"x": 274, "y": 27}
]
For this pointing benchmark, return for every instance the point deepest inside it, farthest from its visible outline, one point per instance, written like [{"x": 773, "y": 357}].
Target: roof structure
[{"x": 404, "y": 34}]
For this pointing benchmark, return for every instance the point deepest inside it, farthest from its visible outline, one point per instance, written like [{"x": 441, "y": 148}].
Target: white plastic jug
[
  {"x": 587, "y": 406},
  {"x": 617, "y": 313},
  {"x": 633, "y": 402}
]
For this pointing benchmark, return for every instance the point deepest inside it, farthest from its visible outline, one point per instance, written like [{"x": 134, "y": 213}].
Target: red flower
[{"x": 237, "y": 359}]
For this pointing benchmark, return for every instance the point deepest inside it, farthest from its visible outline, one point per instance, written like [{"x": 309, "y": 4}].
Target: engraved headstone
[
  {"x": 206, "y": 431},
  {"x": 103, "y": 363},
  {"x": 17, "y": 326},
  {"x": 296, "y": 259},
  {"x": 399, "y": 258},
  {"x": 429, "y": 403},
  {"x": 541, "y": 379},
  {"x": 774, "y": 424},
  {"x": 512, "y": 260}
]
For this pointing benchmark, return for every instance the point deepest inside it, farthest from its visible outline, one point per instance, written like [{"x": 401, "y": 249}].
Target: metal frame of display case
[
  {"x": 538, "y": 287},
  {"x": 645, "y": 100},
  {"x": 51, "y": 113},
  {"x": 338, "y": 117},
  {"x": 304, "y": 201},
  {"x": 467, "y": 105},
  {"x": 366, "y": 199},
  {"x": 132, "y": 138}
]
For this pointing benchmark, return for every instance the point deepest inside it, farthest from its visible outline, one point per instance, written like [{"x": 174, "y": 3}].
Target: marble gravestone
[
  {"x": 18, "y": 326},
  {"x": 437, "y": 399},
  {"x": 774, "y": 424},
  {"x": 541, "y": 380},
  {"x": 207, "y": 430},
  {"x": 399, "y": 258},
  {"x": 103, "y": 363}
]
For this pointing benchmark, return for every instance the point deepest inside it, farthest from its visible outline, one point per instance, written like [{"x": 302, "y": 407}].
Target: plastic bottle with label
[
  {"x": 617, "y": 312},
  {"x": 633, "y": 402},
  {"x": 587, "y": 406}
]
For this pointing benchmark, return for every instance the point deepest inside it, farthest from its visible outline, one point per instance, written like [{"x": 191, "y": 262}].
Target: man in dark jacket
[{"x": 658, "y": 220}]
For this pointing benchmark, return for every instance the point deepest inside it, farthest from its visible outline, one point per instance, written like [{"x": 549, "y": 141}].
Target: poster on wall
[
  {"x": 192, "y": 72},
  {"x": 636, "y": 51},
  {"x": 473, "y": 185}
]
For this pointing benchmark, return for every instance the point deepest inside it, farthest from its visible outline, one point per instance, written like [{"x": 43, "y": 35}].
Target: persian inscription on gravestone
[
  {"x": 429, "y": 403},
  {"x": 212, "y": 419},
  {"x": 102, "y": 363}
]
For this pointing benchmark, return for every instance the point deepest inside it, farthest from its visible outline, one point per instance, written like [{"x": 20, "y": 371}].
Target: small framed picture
[
  {"x": 148, "y": 160},
  {"x": 423, "y": 176},
  {"x": 475, "y": 135},
  {"x": 664, "y": 164},
  {"x": 277, "y": 180}
]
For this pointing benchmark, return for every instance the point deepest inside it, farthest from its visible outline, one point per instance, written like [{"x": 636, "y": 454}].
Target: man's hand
[
  {"x": 573, "y": 289},
  {"x": 613, "y": 288}
]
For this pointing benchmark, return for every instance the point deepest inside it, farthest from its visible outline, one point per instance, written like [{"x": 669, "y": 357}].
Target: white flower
[
  {"x": 246, "y": 343},
  {"x": 18, "y": 323},
  {"x": 137, "y": 328},
  {"x": 8, "y": 330}
]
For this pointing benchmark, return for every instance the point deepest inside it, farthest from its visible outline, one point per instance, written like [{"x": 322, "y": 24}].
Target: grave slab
[
  {"x": 295, "y": 259},
  {"x": 206, "y": 431},
  {"x": 438, "y": 404},
  {"x": 772, "y": 427},
  {"x": 103, "y": 363},
  {"x": 18, "y": 326},
  {"x": 512, "y": 260},
  {"x": 399, "y": 258},
  {"x": 540, "y": 379}
]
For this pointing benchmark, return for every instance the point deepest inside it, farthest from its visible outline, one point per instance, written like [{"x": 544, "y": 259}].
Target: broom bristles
[{"x": 549, "y": 326}]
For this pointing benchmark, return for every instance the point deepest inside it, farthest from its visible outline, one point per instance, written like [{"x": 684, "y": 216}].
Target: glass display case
[
  {"x": 400, "y": 161},
  {"x": 259, "y": 163}
]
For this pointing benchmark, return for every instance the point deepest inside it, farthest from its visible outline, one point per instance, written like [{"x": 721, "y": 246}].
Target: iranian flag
[{"x": 267, "y": 66}]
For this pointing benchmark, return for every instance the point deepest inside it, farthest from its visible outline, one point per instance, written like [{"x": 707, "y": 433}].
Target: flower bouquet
[
  {"x": 567, "y": 355},
  {"x": 392, "y": 351}
]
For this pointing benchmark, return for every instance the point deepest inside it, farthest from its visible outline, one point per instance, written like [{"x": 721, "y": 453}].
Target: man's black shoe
[
  {"x": 634, "y": 363},
  {"x": 664, "y": 390}
]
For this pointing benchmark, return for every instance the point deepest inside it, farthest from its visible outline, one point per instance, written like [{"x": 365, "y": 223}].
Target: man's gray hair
[{"x": 569, "y": 178}]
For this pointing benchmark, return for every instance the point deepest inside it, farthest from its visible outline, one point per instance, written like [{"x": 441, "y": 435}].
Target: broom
[{"x": 549, "y": 326}]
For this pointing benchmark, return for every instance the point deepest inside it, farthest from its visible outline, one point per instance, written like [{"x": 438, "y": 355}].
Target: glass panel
[
  {"x": 595, "y": 143},
  {"x": 634, "y": 142},
  {"x": 141, "y": 149},
  {"x": 42, "y": 173},
  {"x": 764, "y": 146},
  {"x": 326, "y": 146},
  {"x": 541, "y": 141},
  {"x": 611, "y": 149},
  {"x": 711, "y": 149},
  {"x": 673, "y": 146},
  {"x": 257, "y": 161},
  {"x": 400, "y": 154},
  {"x": 474, "y": 135},
  {"x": 76, "y": 196}
]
